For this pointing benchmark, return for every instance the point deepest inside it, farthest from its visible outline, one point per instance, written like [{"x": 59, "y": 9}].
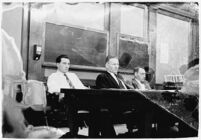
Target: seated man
[
  {"x": 110, "y": 79},
  {"x": 62, "y": 78},
  {"x": 139, "y": 82}
]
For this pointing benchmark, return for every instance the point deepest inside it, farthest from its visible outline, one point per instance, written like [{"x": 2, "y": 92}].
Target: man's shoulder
[
  {"x": 103, "y": 74},
  {"x": 53, "y": 74},
  {"x": 134, "y": 80},
  {"x": 102, "y": 77},
  {"x": 71, "y": 74}
]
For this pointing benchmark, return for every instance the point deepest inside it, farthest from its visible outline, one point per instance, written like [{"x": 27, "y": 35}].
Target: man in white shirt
[
  {"x": 62, "y": 78},
  {"x": 139, "y": 82}
]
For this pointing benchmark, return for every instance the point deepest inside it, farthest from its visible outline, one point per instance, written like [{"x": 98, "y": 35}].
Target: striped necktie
[{"x": 69, "y": 82}]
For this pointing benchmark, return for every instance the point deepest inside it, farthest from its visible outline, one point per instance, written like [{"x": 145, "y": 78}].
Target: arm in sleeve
[
  {"x": 101, "y": 82},
  {"x": 52, "y": 84}
]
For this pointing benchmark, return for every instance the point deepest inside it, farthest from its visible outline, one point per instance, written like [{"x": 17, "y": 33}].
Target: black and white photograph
[{"x": 99, "y": 69}]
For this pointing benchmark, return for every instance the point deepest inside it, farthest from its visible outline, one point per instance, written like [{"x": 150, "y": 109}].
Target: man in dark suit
[
  {"x": 110, "y": 79},
  {"x": 139, "y": 82}
]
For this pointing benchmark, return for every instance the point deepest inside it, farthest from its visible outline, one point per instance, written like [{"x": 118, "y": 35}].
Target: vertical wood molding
[
  {"x": 107, "y": 23},
  {"x": 25, "y": 36},
  {"x": 114, "y": 27},
  {"x": 146, "y": 24},
  {"x": 36, "y": 33},
  {"x": 152, "y": 39},
  {"x": 194, "y": 41},
  {"x": 106, "y": 16}
]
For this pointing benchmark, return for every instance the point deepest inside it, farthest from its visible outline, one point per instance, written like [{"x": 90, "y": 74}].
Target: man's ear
[
  {"x": 106, "y": 65},
  {"x": 57, "y": 65}
]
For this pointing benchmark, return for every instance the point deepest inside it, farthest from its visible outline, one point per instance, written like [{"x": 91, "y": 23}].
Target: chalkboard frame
[
  {"x": 46, "y": 64},
  {"x": 133, "y": 39}
]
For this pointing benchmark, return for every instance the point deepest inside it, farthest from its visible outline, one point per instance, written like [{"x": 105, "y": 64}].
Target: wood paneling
[
  {"x": 111, "y": 24},
  {"x": 114, "y": 28},
  {"x": 36, "y": 34},
  {"x": 152, "y": 40}
]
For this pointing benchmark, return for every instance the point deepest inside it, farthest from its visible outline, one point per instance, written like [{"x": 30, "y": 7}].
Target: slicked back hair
[
  {"x": 58, "y": 59},
  {"x": 109, "y": 57},
  {"x": 136, "y": 70}
]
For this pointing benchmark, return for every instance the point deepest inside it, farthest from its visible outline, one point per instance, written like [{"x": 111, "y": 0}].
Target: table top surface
[{"x": 169, "y": 101}]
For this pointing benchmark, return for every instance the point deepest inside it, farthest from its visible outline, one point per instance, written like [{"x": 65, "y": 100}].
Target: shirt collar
[
  {"x": 137, "y": 80},
  {"x": 111, "y": 73},
  {"x": 61, "y": 72}
]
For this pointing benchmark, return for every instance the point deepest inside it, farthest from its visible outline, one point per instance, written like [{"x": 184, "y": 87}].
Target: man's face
[
  {"x": 112, "y": 65},
  {"x": 64, "y": 65},
  {"x": 140, "y": 75}
]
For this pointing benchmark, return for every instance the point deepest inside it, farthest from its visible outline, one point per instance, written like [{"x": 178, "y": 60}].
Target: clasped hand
[{"x": 61, "y": 95}]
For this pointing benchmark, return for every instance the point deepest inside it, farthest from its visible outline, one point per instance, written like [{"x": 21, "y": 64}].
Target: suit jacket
[
  {"x": 105, "y": 80},
  {"x": 136, "y": 85}
]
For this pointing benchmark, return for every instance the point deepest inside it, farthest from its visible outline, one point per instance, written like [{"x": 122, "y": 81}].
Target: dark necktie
[
  {"x": 120, "y": 82},
  {"x": 69, "y": 82}
]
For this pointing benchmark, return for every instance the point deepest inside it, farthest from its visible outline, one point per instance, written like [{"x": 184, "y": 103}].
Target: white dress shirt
[{"x": 57, "y": 80}]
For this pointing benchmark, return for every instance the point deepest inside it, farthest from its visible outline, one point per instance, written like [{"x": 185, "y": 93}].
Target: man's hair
[
  {"x": 58, "y": 59},
  {"x": 136, "y": 69},
  {"x": 109, "y": 57}
]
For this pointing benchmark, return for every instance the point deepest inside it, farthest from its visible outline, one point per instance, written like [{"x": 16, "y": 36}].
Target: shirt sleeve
[{"x": 52, "y": 84}]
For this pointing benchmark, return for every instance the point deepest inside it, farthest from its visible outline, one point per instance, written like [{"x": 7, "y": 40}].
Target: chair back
[{"x": 35, "y": 96}]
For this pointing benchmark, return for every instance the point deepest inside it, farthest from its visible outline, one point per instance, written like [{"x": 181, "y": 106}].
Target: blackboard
[
  {"x": 83, "y": 47},
  {"x": 133, "y": 53}
]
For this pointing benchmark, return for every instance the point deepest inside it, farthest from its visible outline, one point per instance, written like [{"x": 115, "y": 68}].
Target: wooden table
[{"x": 90, "y": 99}]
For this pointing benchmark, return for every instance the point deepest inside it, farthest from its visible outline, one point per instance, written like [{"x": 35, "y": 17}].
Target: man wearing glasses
[{"x": 139, "y": 82}]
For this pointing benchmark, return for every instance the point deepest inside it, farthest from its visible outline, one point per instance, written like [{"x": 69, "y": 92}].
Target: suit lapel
[
  {"x": 136, "y": 83},
  {"x": 114, "y": 82},
  {"x": 147, "y": 86}
]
